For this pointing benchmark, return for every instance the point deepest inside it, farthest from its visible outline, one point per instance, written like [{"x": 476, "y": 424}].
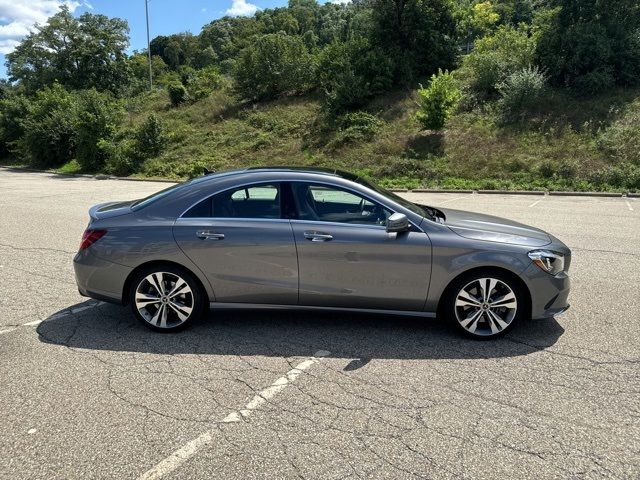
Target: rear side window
[{"x": 257, "y": 201}]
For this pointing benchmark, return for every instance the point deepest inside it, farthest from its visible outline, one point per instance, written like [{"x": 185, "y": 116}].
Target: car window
[
  {"x": 333, "y": 204},
  {"x": 258, "y": 201}
]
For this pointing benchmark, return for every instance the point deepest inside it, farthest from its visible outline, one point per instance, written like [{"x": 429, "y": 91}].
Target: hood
[
  {"x": 110, "y": 209},
  {"x": 478, "y": 226}
]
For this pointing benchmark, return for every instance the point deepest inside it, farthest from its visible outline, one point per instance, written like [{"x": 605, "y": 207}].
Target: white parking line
[
  {"x": 536, "y": 202},
  {"x": 629, "y": 205},
  {"x": 454, "y": 199},
  {"x": 187, "y": 451},
  {"x": 56, "y": 316},
  {"x": 6, "y": 330}
]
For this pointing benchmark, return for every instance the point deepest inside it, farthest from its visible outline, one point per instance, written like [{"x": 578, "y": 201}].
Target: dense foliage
[
  {"x": 77, "y": 53},
  {"x": 76, "y": 97},
  {"x": 437, "y": 101}
]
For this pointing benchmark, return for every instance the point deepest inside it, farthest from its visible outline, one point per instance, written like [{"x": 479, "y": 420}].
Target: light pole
[{"x": 146, "y": 9}]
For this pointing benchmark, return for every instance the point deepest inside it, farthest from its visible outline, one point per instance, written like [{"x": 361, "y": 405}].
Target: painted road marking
[
  {"x": 454, "y": 199},
  {"x": 629, "y": 205},
  {"x": 54, "y": 317},
  {"x": 187, "y": 451},
  {"x": 536, "y": 202}
]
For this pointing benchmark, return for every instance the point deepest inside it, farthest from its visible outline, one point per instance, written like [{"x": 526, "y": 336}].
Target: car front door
[
  {"x": 239, "y": 239},
  {"x": 346, "y": 258}
]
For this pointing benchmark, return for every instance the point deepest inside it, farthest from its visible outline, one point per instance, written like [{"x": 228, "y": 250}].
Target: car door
[
  {"x": 346, "y": 258},
  {"x": 239, "y": 240}
]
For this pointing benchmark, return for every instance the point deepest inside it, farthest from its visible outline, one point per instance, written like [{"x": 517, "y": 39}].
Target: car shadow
[{"x": 290, "y": 334}]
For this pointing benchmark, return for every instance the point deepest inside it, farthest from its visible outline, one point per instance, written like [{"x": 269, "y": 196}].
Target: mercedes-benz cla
[{"x": 316, "y": 239}]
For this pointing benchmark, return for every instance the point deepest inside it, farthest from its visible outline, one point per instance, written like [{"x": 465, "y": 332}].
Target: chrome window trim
[
  {"x": 182, "y": 220},
  {"x": 314, "y": 182},
  {"x": 339, "y": 224}
]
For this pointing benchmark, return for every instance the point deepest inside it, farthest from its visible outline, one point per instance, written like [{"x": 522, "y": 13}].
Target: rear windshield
[{"x": 143, "y": 202}]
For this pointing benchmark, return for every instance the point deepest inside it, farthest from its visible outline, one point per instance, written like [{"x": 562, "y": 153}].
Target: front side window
[
  {"x": 326, "y": 203},
  {"x": 257, "y": 201}
]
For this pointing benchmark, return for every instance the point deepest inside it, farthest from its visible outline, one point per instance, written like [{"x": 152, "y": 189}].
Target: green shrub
[
  {"x": 352, "y": 73},
  {"x": 520, "y": 93},
  {"x": 437, "y": 101},
  {"x": 273, "y": 65},
  {"x": 177, "y": 93},
  {"x": 621, "y": 140},
  {"x": 13, "y": 111},
  {"x": 355, "y": 127},
  {"x": 98, "y": 117},
  {"x": 49, "y": 128},
  {"x": 204, "y": 83},
  {"x": 150, "y": 138},
  {"x": 495, "y": 57},
  {"x": 120, "y": 156},
  {"x": 624, "y": 175}
]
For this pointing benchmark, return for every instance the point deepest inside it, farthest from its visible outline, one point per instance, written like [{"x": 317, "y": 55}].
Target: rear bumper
[
  {"x": 549, "y": 294},
  {"x": 99, "y": 279}
]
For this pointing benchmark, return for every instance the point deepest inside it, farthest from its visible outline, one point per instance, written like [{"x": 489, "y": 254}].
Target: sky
[{"x": 17, "y": 17}]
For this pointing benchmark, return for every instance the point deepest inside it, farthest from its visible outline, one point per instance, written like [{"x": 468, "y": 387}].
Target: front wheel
[
  {"x": 484, "y": 306},
  {"x": 166, "y": 298}
]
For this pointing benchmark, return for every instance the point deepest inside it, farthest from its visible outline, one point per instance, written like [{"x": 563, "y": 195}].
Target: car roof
[{"x": 302, "y": 170}]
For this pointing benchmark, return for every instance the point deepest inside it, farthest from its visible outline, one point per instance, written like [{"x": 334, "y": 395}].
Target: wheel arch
[
  {"x": 126, "y": 288},
  {"x": 488, "y": 270}
]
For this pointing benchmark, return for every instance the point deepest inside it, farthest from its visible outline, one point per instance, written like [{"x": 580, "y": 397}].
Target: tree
[
  {"x": 274, "y": 65},
  {"x": 591, "y": 45},
  {"x": 98, "y": 116},
  {"x": 476, "y": 20},
  {"x": 78, "y": 53},
  {"x": 352, "y": 73},
  {"x": 419, "y": 35},
  {"x": 49, "y": 127}
]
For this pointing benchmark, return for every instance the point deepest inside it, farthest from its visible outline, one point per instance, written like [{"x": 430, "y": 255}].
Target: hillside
[{"x": 572, "y": 144}]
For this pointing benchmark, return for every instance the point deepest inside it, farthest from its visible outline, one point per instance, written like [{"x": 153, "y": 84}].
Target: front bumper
[
  {"x": 549, "y": 294},
  {"x": 99, "y": 279}
]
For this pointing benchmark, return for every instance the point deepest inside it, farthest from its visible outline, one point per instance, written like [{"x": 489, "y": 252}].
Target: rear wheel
[
  {"x": 484, "y": 305},
  {"x": 166, "y": 298}
]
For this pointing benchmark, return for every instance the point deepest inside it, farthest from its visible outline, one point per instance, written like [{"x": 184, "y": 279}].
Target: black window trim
[{"x": 278, "y": 183}]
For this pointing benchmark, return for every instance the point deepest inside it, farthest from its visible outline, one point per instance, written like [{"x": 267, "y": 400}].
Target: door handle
[
  {"x": 209, "y": 235},
  {"x": 318, "y": 236}
]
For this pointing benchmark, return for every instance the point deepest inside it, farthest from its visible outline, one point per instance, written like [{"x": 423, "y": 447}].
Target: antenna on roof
[{"x": 207, "y": 171}]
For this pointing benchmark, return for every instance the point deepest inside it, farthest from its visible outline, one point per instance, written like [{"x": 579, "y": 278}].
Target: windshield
[
  {"x": 396, "y": 198},
  {"x": 143, "y": 202}
]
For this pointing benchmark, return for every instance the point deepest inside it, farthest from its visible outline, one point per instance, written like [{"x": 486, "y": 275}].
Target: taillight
[{"x": 90, "y": 236}]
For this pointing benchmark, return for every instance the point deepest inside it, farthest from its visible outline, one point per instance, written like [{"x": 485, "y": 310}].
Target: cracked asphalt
[{"x": 89, "y": 393}]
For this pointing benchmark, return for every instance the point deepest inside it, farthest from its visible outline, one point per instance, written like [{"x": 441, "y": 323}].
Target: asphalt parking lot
[{"x": 87, "y": 392}]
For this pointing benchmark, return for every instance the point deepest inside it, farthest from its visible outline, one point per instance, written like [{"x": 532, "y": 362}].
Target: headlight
[{"x": 550, "y": 262}]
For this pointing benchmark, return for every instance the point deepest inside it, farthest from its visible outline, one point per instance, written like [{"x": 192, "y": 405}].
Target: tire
[
  {"x": 166, "y": 298},
  {"x": 481, "y": 316}
]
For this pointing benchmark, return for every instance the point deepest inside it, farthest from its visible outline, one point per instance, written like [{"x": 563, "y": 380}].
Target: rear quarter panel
[{"x": 136, "y": 239}]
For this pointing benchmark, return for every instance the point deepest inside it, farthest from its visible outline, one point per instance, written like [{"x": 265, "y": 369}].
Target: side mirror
[{"x": 398, "y": 222}]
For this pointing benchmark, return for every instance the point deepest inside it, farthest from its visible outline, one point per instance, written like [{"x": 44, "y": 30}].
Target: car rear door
[
  {"x": 346, "y": 258},
  {"x": 239, "y": 239}
]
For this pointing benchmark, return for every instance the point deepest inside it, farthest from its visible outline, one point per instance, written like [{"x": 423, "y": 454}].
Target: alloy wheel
[
  {"x": 486, "y": 306},
  {"x": 164, "y": 299}
]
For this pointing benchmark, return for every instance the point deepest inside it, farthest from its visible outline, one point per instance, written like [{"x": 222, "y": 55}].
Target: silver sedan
[{"x": 314, "y": 239}]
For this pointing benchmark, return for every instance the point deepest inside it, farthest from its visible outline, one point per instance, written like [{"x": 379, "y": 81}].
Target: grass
[{"x": 566, "y": 144}]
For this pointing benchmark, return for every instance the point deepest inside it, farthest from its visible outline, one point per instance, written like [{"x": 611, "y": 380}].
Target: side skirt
[{"x": 266, "y": 306}]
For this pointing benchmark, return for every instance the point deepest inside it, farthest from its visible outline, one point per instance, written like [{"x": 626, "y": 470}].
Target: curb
[
  {"x": 436, "y": 190},
  {"x": 99, "y": 176},
  {"x": 512, "y": 192},
  {"x": 102, "y": 176},
  {"x": 586, "y": 194}
]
